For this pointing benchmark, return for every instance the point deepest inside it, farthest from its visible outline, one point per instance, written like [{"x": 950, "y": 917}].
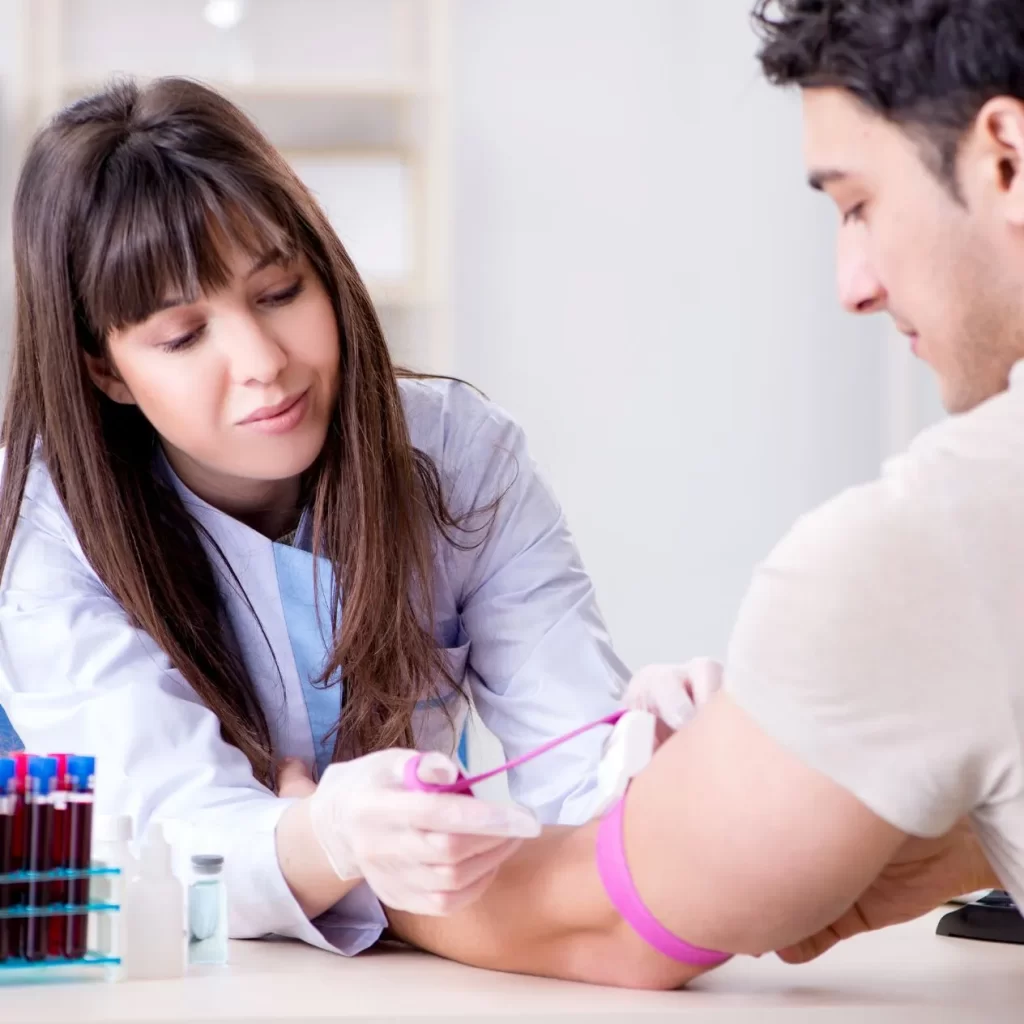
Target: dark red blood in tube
[
  {"x": 42, "y": 773},
  {"x": 19, "y": 893},
  {"x": 8, "y": 798},
  {"x": 80, "y": 797},
  {"x": 58, "y": 891}
]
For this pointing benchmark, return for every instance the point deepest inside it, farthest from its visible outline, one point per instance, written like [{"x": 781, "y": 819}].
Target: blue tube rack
[{"x": 15, "y": 967}]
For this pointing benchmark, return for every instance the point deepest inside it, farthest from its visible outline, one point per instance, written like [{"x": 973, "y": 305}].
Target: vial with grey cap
[{"x": 207, "y": 911}]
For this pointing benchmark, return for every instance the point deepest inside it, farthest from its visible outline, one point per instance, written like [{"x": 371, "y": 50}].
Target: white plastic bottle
[
  {"x": 111, "y": 848},
  {"x": 153, "y": 941}
]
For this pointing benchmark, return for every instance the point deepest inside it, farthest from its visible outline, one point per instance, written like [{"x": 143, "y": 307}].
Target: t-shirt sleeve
[{"x": 860, "y": 648}]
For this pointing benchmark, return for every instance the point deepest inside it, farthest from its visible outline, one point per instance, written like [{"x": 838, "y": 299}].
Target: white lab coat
[{"x": 517, "y": 617}]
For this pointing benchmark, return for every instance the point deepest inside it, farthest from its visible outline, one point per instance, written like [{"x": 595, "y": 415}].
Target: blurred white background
[{"x": 616, "y": 244}]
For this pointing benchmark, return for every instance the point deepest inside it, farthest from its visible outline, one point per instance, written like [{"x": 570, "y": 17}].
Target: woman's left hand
[
  {"x": 674, "y": 692},
  {"x": 660, "y": 699}
]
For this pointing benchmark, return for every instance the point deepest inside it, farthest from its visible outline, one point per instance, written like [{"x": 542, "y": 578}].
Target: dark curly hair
[{"x": 928, "y": 66}]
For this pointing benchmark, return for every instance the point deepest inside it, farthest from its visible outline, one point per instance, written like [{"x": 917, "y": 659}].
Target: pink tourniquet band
[
  {"x": 464, "y": 785},
  {"x": 618, "y": 883},
  {"x": 611, "y": 855}
]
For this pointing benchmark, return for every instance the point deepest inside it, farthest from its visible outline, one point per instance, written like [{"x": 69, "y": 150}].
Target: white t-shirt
[{"x": 883, "y": 640}]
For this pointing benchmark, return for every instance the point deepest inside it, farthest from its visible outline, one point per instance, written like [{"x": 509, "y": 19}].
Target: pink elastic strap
[
  {"x": 464, "y": 785},
  {"x": 618, "y": 884}
]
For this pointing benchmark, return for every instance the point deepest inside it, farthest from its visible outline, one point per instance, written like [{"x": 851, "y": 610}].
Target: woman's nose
[{"x": 256, "y": 355}]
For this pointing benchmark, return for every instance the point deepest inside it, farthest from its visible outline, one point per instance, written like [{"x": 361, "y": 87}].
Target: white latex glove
[
  {"x": 674, "y": 692},
  {"x": 427, "y": 853},
  {"x": 660, "y": 699}
]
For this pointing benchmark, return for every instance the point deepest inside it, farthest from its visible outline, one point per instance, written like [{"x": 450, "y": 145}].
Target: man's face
[{"x": 950, "y": 274}]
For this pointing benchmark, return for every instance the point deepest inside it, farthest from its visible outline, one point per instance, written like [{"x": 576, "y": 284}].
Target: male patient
[{"x": 863, "y": 760}]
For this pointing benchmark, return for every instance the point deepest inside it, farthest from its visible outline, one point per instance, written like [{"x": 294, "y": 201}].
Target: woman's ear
[{"x": 104, "y": 376}]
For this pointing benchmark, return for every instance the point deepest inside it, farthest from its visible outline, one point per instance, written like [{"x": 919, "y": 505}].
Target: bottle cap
[
  {"x": 112, "y": 828},
  {"x": 8, "y": 772},
  {"x": 207, "y": 864},
  {"x": 44, "y": 771},
  {"x": 81, "y": 770}
]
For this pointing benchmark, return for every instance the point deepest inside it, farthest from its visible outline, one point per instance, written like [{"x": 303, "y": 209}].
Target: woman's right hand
[{"x": 426, "y": 853}]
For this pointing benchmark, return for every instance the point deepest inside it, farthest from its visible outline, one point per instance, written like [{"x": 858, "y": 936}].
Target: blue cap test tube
[
  {"x": 39, "y": 785},
  {"x": 8, "y": 806},
  {"x": 80, "y": 772}
]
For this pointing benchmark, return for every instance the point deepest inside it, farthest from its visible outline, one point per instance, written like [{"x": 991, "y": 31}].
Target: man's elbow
[{"x": 620, "y": 958}]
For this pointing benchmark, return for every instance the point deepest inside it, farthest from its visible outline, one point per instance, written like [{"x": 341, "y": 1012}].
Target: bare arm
[
  {"x": 734, "y": 845},
  {"x": 735, "y": 840},
  {"x": 546, "y": 914}
]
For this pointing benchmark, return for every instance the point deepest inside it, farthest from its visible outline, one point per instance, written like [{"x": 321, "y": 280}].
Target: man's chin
[{"x": 963, "y": 395}]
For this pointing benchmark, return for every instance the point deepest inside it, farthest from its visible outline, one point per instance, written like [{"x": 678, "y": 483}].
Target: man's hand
[{"x": 924, "y": 874}]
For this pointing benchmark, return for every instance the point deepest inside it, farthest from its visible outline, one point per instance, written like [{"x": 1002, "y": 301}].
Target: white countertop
[{"x": 905, "y": 974}]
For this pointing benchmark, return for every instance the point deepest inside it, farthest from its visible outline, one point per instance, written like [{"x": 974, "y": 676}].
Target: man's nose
[{"x": 860, "y": 290}]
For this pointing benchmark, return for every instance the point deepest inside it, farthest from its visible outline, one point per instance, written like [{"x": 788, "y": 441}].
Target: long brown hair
[{"x": 123, "y": 197}]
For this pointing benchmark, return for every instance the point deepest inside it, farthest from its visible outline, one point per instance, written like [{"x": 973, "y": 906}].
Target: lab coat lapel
[{"x": 247, "y": 575}]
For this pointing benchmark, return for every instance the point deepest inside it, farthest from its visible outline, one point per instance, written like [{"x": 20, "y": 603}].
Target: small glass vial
[{"x": 207, "y": 911}]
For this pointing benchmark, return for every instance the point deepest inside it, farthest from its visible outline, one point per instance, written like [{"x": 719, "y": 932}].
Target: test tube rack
[{"x": 14, "y": 968}]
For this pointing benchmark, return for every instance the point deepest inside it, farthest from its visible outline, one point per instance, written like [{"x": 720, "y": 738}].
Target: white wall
[
  {"x": 10, "y": 37},
  {"x": 643, "y": 279}
]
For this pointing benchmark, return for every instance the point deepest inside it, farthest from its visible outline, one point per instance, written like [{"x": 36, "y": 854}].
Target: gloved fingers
[
  {"x": 429, "y": 903},
  {"x": 674, "y": 692},
  {"x": 406, "y": 850},
  {"x": 706, "y": 677},
  {"x": 453, "y": 877},
  {"x": 434, "y": 767},
  {"x": 451, "y": 848},
  {"x": 664, "y": 691},
  {"x": 450, "y": 813}
]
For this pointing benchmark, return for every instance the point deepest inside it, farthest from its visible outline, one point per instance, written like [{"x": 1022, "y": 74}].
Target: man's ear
[
  {"x": 104, "y": 376},
  {"x": 994, "y": 156}
]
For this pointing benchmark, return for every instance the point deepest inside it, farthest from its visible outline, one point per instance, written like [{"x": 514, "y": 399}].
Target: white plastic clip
[{"x": 627, "y": 752}]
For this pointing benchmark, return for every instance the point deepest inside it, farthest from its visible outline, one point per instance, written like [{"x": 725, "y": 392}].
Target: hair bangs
[{"x": 162, "y": 229}]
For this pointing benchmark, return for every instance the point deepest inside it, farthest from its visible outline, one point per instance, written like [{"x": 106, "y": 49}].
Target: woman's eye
[
  {"x": 283, "y": 297},
  {"x": 183, "y": 342}
]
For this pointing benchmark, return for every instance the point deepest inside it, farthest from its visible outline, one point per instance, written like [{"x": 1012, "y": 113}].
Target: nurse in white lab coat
[{"x": 201, "y": 398}]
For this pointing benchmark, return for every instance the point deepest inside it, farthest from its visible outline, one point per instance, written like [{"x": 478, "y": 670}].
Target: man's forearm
[{"x": 547, "y": 914}]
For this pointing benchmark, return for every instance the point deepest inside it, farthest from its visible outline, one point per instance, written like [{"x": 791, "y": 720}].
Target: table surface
[{"x": 904, "y": 974}]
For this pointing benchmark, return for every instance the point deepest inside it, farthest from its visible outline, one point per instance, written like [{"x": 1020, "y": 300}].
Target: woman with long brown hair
[{"x": 233, "y": 533}]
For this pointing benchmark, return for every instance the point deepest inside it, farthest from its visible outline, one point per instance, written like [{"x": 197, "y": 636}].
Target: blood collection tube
[
  {"x": 42, "y": 773},
  {"x": 8, "y": 799},
  {"x": 81, "y": 771},
  {"x": 19, "y": 892},
  {"x": 57, "y": 892}
]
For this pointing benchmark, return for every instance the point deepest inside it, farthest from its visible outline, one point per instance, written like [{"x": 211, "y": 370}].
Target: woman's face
[{"x": 240, "y": 385}]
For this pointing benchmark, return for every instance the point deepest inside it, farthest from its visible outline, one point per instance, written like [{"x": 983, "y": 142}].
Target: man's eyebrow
[{"x": 818, "y": 180}]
